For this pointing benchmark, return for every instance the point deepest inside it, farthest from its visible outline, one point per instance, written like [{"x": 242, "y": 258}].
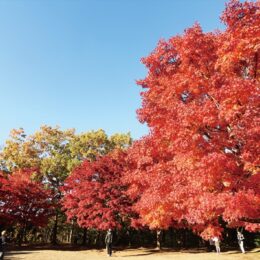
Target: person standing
[
  {"x": 108, "y": 241},
  {"x": 240, "y": 239},
  {"x": 211, "y": 245},
  {"x": 2, "y": 244},
  {"x": 217, "y": 244}
]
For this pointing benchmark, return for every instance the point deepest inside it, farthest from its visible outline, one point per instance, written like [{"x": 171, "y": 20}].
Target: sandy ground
[{"x": 128, "y": 254}]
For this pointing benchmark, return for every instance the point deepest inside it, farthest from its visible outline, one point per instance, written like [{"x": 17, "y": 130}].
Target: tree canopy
[
  {"x": 95, "y": 195},
  {"x": 199, "y": 166}
]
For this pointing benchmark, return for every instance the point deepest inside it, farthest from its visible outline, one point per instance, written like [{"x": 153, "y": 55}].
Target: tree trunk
[
  {"x": 19, "y": 236},
  {"x": 184, "y": 238},
  {"x": 24, "y": 238},
  {"x": 55, "y": 230},
  {"x": 250, "y": 220},
  {"x": 72, "y": 232},
  {"x": 129, "y": 237},
  {"x": 84, "y": 239},
  {"x": 96, "y": 240}
]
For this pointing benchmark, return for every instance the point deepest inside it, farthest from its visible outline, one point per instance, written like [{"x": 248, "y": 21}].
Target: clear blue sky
[{"x": 74, "y": 63}]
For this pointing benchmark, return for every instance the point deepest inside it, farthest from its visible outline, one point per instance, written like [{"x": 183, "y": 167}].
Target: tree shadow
[
  {"x": 136, "y": 255},
  {"x": 11, "y": 255},
  {"x": 185, "y": 250},
  {"x": 142, "y": 252},
  {"x": 145, "y": 252},
  {"x": 192, "y": 251},
  {"x": 239, "y": 252},
  {"x": 43, "y": 247}
]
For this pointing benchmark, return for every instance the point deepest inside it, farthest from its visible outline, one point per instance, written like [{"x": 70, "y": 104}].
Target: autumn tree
[
  {"x": 24, "y": 201},
  {"x": 95, "y": 195},
  {"x": 89, "y": 146},
  {"x": 199, "y": 166},
  {"x": 4, "y": 217}
]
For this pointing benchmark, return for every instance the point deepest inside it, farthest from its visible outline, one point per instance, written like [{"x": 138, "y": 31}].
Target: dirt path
[{"x": 129, "y": 254}]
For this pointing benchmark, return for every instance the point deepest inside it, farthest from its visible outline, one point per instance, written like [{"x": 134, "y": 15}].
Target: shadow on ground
[
  {"x": 48, "y": 247},
  {"x": 12, "y": 255},
  {"x": 165, "y": 250},
  {"x": 251, "y": 252}
]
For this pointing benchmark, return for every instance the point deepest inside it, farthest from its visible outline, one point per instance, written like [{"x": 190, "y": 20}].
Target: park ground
[{"x": 127, "y": 254}]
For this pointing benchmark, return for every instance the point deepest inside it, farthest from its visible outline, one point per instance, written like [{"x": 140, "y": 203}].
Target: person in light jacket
[
  {"x": 217, "y": 244},
  {"x": 240, "y": 239}
]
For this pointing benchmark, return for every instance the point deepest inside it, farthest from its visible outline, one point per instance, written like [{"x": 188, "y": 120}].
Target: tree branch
[{"x": 250, "y": 220}]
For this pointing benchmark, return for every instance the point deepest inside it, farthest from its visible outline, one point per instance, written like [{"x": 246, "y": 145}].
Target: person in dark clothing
[
  {"x": 108, "y": 241},
  {"x": 211, "y": 245}
]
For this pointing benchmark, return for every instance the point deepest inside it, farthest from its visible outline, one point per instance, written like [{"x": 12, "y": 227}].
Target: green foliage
[
  {"x": 56, "y": 152},
  {"x": 91, "y": 144}
]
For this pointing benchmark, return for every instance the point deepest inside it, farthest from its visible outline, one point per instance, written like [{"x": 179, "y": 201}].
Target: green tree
[{"x": 89, "y": 145}]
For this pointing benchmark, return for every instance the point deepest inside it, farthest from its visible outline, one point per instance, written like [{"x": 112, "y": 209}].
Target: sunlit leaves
[
  {"x": 201, "y": 101},
  {"x": 94, "y": 194}
]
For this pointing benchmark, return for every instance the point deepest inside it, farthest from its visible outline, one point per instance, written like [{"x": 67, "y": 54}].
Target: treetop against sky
[{"x": 74, "y": 63}]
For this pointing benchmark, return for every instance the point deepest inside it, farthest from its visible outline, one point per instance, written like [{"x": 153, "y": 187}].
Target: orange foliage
[{"x": 200, "y": 99}]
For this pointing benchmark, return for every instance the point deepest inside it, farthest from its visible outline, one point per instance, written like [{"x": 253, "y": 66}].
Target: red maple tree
[
  {"x": 24, "y": 201},
  {"x": 94, "y": 193},
  {"x": 4, "y": 218},
  {"x": 199, "y": 165}
]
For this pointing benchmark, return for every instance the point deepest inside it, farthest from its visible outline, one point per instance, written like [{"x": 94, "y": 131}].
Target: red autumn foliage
[
  {"x": 200, "y": 162},
  {"x": 94, "y": 193},
  {"x": 23, "y": 200},
  {"x": 4, "y": 218}
]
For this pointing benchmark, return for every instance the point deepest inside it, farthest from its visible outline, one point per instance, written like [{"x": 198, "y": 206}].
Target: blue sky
[{"x": 74, "y": 63}]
